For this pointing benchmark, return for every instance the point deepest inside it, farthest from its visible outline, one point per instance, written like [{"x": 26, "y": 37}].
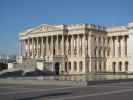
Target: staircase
[{"x": 28, "y": 67}]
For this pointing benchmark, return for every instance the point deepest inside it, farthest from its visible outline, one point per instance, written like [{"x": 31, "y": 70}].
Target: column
[
  {"x": 20, "y": 48},
  {"x": 24, "y": 48},
  {"x": 28, "y": 48},
  {"x": 57, "y": 46},
  {"x": 62, "y": 44},
  {"x": 32, "y": 47},
  {"x": 111, "y": 47},
  {"x": 42, "y": 47},
  {"x": 47, "y": 47},
  {"x": 74, "y": 45},
  {"x": 125, "y": 46},
  {"x": 67, "y": 44},
  {"x": 119, "y": 47},
  {"x": 120, "y": 39},
  {"x": 122, "y": 46},
  {"x": 88, "y": 45},
  {"x": 37, "y": 46},
  {"x": 78, "y": 45},
  {"x": 83, "y": 45},
  {"x": 72, "y": 41},
  {"x": 51, "y": 45},
  {"x": 89, "y": 54},
  {"x": 114, "y": 47}
]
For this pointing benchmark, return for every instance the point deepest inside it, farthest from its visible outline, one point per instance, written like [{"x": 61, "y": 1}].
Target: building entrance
[{"x": 57, "y": 68}]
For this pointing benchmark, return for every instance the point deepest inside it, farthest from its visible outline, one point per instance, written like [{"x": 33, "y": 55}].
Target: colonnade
[
  {"x": 117, "y": 46},
  {"x": 72, "y": 45}
]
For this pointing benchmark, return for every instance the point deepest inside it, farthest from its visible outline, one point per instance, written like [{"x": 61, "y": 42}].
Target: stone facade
[{"x": 79, "y": 48}]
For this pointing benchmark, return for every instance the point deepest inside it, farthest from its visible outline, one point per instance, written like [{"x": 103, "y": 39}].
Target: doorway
[{"x": 57, "y": 68}]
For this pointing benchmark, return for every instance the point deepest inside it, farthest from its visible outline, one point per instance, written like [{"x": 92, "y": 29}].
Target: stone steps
[{"x": 28, "y": 66}]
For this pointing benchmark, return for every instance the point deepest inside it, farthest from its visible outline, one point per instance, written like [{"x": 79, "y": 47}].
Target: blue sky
[{"x": 18, "y": 15}]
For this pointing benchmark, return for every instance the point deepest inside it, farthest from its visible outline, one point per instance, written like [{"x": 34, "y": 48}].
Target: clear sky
[{"x": 18, "y": 15}]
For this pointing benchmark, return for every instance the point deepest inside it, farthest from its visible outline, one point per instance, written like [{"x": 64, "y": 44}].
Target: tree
[{"x": 3, "y": 66}]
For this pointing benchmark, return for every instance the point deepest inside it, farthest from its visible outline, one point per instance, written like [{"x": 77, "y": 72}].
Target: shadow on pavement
[{"x": 45, "y": 96}]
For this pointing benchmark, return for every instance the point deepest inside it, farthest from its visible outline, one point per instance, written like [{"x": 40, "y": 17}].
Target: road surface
[{"x": 110, "y": 91}]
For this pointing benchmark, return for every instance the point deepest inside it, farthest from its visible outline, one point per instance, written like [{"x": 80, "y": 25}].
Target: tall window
[
  {"x": 65, "y": 66},
  {"x": 120, "y": 65},
  {"x": 100, "y": 52},
  {"x": 126, "y": 66},
  {"x": 69, "y": 65},
  {"x": 75, "y": 65},
  {"x": 80, "y": 66},
  {"x": 104, "y": 66},
  {"x": 100, "y": 67},
  {"x": 95, "y": 52}
]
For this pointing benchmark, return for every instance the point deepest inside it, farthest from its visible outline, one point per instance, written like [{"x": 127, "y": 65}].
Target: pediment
[
  {"x": 45, "y": 28},
  {"x": 42, "y": 28}
]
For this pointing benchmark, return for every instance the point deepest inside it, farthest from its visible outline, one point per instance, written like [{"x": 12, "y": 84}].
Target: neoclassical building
[{"x": 78, "y": 48}]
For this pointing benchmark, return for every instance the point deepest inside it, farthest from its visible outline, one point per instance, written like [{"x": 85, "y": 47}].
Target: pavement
[{"x": 110, "y": 91}]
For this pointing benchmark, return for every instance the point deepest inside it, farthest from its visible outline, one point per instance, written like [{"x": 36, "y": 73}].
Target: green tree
[{"x": 3, "y": 66}]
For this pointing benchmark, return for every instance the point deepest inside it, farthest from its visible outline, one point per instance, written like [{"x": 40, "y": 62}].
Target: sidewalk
[{"x": 60, "y": 82}]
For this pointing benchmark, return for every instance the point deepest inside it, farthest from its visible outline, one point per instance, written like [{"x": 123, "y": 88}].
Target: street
[{"x": 110, "y": 91}]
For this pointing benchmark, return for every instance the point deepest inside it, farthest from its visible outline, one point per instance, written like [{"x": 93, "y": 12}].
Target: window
[
  {"x": 126, "y": 66},
  {"x": 113, "y": 67},
  {"x": 100, "y": 53},
  {"x": 69, "y": 65},
  {"x": 104, "y": 66},
  {"x": 100, "y": 67},
  {"x": 81, "y": 66},
  {"x": 120, "y": 64},
  {"x": 75, "y": 66},
  {"x": 95, "y": 52},
  {"x": 66, "y": 67}
]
